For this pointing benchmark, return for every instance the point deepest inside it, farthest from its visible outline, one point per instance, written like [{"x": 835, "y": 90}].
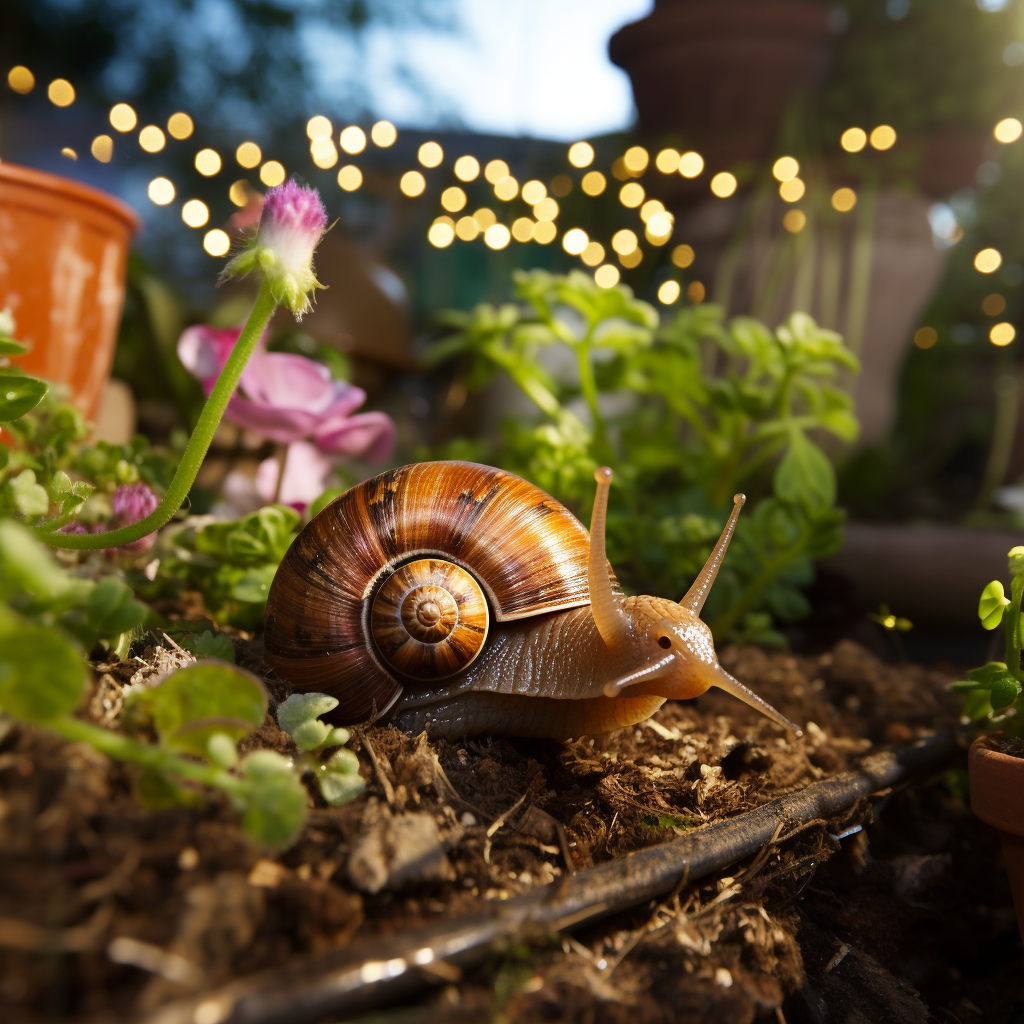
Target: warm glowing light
[
  {"x": 102, "y": 148},
  {"x": 723, "y": 184},
  {"x": 467, "y": 168},
  {"x": 631, "y": 194},
  {"x": 383, "y": 134},
  {"x": 682, "y": 256},
  {"x": 467, "y": 228},
  {"x": 195, "y": 213},
  {"x": 216, "y": 242},
  {"x": 61, "y": 92},
  {"x": 696, "y": 292},
  {"x": 442, "y": 232},
  {"x": 522, "y": 229},
  {"x": 593, "y": 183},
  {"x": 544, "y": 231},
  {"x": 988, "y": 261},
  {"x": 925, "y": 337},
  {"x": 650, "y": 208},
  {"x": 350, "y": 177},
  {"x": 1002, "y": 334},
  {"x": 993, "y": 305},
  {"x": 691, "y": 164},
  {"x": 319, "y": 127},
  {"x": 485, "y": 218},
  {"x": 624, "y": 242},
  {"x": 69, "y": 153},
  {"x": 593, "y": 254},
  {"x": 122, "y": 117},
  {"x": 20, "y": 79},
  {"x": 786, "y": 168},
  {"x": 180, "y": 126},
  {"x": 534, "y": 191},
  {"x": 632, "y": 259},
  {"x": 667, "y": 161},
  {"x": 844, "y": 199},
  {"x": 495, "y": 171},
  {"x": 497, "y": 236},
  {"x": 207, "y": 162},
  {"x": 581, "y": 154},
  {"x": 574, "y": 241},
  {"x": 794, "y": 221},
  {"x": 561, "y": 185},
  {"x": 546, "y": 209},
  {"x": 323, "y": 152},
  {"x": 606, "y": 276},
  {"x": 883, "y": 137},
  {"x": 352, "y": 139},
  {"x": 430, "y": 154},
  {"x": 659, "y": 228},
  {"x": 636, "y": 159},
  {"x": 272, "y": 173},
  {"x": 240, "y": 192},
  {"x": 249, "y": 155},
  {"x": 792, "y": 190},
  {"x": 412, "y": 184},
  {"x": 1008, "y": 130},
  {"x": 506, "y": 188},
  {"x": 161, "y": 191},
  {"x": 152, "y": 139},
  {"x": 853, "y": 140},
  {"x": 453, "y": 199},
  {"x": 668, "y": 292}
]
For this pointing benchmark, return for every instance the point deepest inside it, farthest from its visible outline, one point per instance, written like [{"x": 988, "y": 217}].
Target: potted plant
[{"x": 63, "y": 259}]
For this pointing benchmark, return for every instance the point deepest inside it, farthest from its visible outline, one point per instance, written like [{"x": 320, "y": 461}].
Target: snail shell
[{"x": 397, "y": 579}]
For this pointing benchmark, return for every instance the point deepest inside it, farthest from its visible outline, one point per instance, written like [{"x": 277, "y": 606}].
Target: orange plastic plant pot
[
  {"x": 997, "y": 797},
  {"x": 63, "y": 258}
]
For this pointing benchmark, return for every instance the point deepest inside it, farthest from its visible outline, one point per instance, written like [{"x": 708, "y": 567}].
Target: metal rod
[{"x": 365, "y": 975}]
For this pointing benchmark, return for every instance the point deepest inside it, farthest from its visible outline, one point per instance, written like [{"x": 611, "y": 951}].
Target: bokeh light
[
  {"x": 683, "y": 256},
  {"x": 593, "y": 183},
  {"x": 561, "y": 185},
  {"x": 988, "y": 261},
  {"x": 61, "y": 92},
  {"x": 636, "y": 159},
  {"x": 180, "y": 126},
  {"x": 593, "y": 254},
  {"x": 123, "y": 117},
  {"x": 667, "y": 161},
  {"x": 534, "y": 191},
  {"x": 925, "y": 337},
  {"x": 546, "y": 209},
  {"x": 785, "y": 168},
  {"x": 668, "y": 292},
  {"x": 442, "y": 232},
  {"x": 352, "y": 139},
  {"x": 319, "y": 127},
  {"x": 216, "y": 242},
  {"x": 323, "y": 152},
  {"x": 497, "y": 236},
  {"x": 695, "y": 292},
  {"x": 506, "y": 188},
  {"x": 249, "y": 155},
  {"x": 794, "y": 221},
  {"x": 195, "y": 213},
  {"x": 102, "y": 148},
  {"x": 1002, "y": 334},
  {"x": 650, "y": 208},
  {"x": 20, "y": 79},
  {"x": 659, "y": 228},
  {"x": 272, "y": 173},
  {"x": 853, "y": 140},
  {"x": 485, "y": 218},
  {"x": 691, "y": 164},
  {"x": 495, "y": 171},
  {"x": 453, "y": 199},
  {"x": 631, "y": 259},
  {"x": 792, "y": 191},
  {"x": 350, "y": 177},
  {"x": 544, "y": 232},
  {"x": 723, "y": 184},
  {"x": 384, "y": 134},
  {"x": 430, "y": 154},
  {"x": 624, "y": 241},
  {"x": 1008, "y": 130},
  {"x": 161, "y": 191},
  {"x": 412, "y": 184},
  {"x": 68, "y": 152},
  {"x": 467, "y": 168},
  {"x": 631, "y": 194},
  {"x": 522, "y": 229},
  {"x": 844, "y": 199},
  {"x": 467, "y": 228},
  {"x": 207, "y": 162},
  {"x": 574, "y": 241},
  {"x": 240, "y": 192},
  {"x": 581, "y": 154},
  {"x": 152, "y": 139},
  {"x": 993, "y": 305},
  {"x": 883, "y": 137},
  {"x": 606, "y": 276}
]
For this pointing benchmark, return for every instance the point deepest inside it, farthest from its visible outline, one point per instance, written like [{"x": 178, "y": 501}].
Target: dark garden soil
[{"x": 909, "y": 920}]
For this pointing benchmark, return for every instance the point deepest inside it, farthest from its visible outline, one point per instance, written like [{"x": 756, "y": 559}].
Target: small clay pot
[
  {"x": 997, "y": 797},
  {"x": 63, "y": 259}
]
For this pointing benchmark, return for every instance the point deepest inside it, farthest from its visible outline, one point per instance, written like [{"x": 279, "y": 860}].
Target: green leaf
[
  {"x": 158, "y": 792},
  {"x": 10, "y": 347},
  {"x": 194, "y": 703},
  {"x": 221, "y": 750},
  {"x": 805, "y": 473},
  {"x": 28, "y": 497},
  {"x": 990, "y": 607},
  {"x": 42, "y": 676},
  {"x": 254, "y": 585},
  {"x": 339, "y": 788},
  {"x": 298, "y": 717},
  {"x": 317, "y": 506},
  {"x": 5, "y": 455},
  {"x": 988, "y": 674},
  {"x": 19, "y": 394},
  {"x": 1004, "y": 693},
  {"x": 210, "y": 645},
  {"x": 275, "y": 799}
]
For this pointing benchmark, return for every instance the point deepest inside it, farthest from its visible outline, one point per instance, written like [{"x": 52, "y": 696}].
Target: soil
[{"x": 108, "y": 910}]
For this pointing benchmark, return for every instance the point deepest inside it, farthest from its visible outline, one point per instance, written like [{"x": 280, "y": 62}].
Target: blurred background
[{"x": 858, "y": 161}]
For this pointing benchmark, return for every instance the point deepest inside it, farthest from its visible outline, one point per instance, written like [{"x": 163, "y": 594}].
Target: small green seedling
[
  {"x": 338, "y": 775},
  {"x": 992, "y": 691},
  {"x": 210, "y": 645}
]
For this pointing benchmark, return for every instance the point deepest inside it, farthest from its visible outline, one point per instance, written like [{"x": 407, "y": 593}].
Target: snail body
[{"x": 461, "y": 599}]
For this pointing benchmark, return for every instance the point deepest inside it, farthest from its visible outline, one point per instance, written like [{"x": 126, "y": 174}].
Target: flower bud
[
  {"x": 1016, "y": 558},
  {"x": 291, "y": 225}
]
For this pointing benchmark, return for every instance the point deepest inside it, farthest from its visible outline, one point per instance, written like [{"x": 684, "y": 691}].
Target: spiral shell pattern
[{"x": 429, "y": 619}]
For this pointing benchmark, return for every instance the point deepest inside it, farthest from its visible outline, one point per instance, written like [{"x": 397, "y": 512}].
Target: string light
[
  {"x": 412, "y": 184},
  {"x": 793, "y": 190},
  {"x": 240, "y": 192},
  {"x": 723, "y": 184},
  {"x": 442, "y": 232},
  {"x": 606, "y": 276},
  {"x": 506, "y": 188},
  {"x": 161, "y": 191},
  {"x": 21, "y": 80},
  {"x": 993, "y": 305},
  {"x": 593, "y": 183},
  {"x": 1002, "y": 334},
  {"x": 925, "y": 337},
  {"x": 248, "y": 155},
  {"x": 324, "y": 153},
  {"x": 786, "y": 168},
  {"x": 695, "y": 292},
  {"x": 319, "y": 127},
  {"x": 683, "y": 255},
  {"x": 497, "y": 236},
  {"x": 883, "y": 137},
  {"x": 631, "y": 194},
  {"x": 453, "y": 199},
  {"x": 853, "y": 140},
  {"x": 272, "y": 173},
  {"x": 180, "y": 126},
  {"x": 1008, "y": 130},
  {"x": 384, "y": 134},
  {"x": 668, "y": 292},
  {"x": 631, "y": 259},
  {"x": 581, "y": 154},
  {"x": 636, "y": 159},
  {"x": 534, "y": 191},
  {"x": 593, "y": 254},
  {"x": 350, "y": 177},
  {"x": 574, "y": 241},
  {"x": 522, "y": 229},
  {"x": 123, "y": 117},
  {"x": 844, "y": 199},
  {"x": 216, "y": 242},
  {"x": 61, "y": 92},
  {"x": 546, "y": 209},
  {"x": 207, "y": 162},
  {"x": 485, "y": 218},
  {"x": 102, "y": 148},
  {"x": 152, "y": 139},
  {"x": 561, "y": 185},
  {"x": 467, "y": 168},
  {"x": 794, "y": 221},
  {"x": 667, "y": 161},
  {"x": 691, "y": 164},
  {"x": 352, "y": 139},
  {"x": 467, "y": 228},
  {"x": 988, "y": 261},
  {"x": 430, "y": 154},
  {"x": 544, "y": 232},
  {"x": 659, "y": 228},
  {"x": 624, "y": 242},
  {"x": 650, "y": 208},
  {"x": 195, "y": 213},
  {"x": 69, "y": 153},
  {"x": 495, "y": 171}
]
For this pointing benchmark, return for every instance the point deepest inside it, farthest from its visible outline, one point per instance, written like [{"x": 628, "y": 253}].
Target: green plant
[
  {"x": 687, "y": 413},
  {"x": 992, "y": 692}
]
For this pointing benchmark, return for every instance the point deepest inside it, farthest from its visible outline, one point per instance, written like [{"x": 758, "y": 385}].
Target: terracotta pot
[
  {"x": 997, "y": 797},
  {"x": 720, "y": 72},
  {"x": 63, "y": 257}
]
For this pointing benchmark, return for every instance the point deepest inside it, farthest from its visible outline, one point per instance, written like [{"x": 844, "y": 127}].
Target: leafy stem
[
  {"x": 1013, "y": 631},
  {"x": 198, "y": 445}
]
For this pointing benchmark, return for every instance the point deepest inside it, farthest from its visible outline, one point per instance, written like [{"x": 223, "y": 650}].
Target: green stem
[
  {"x": 198, "y": 445},
  {"x": 1012, "y": 630},
  {"x": 589, "y": 388}
]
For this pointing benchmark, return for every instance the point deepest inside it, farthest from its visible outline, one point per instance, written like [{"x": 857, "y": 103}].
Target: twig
[{"x": 378, "y": 770}]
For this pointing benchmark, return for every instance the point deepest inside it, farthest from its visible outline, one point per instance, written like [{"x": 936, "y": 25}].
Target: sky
[{"x": 516, "y": 67}]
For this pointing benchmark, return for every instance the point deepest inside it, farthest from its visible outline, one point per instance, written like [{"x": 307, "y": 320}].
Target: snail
[{"x": 460, "y": 599}]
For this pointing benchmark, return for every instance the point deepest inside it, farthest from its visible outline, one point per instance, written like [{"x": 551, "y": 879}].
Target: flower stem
[{"x": 198, "y": 445}]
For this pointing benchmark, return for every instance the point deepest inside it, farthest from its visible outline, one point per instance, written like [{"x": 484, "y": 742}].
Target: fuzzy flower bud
[
  {"x": 291, "y": 225},
  {"x": 131, "y": 503}
]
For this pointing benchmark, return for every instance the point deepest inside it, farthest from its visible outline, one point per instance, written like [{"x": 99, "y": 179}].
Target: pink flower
[{"x": 133, "y": 502}]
